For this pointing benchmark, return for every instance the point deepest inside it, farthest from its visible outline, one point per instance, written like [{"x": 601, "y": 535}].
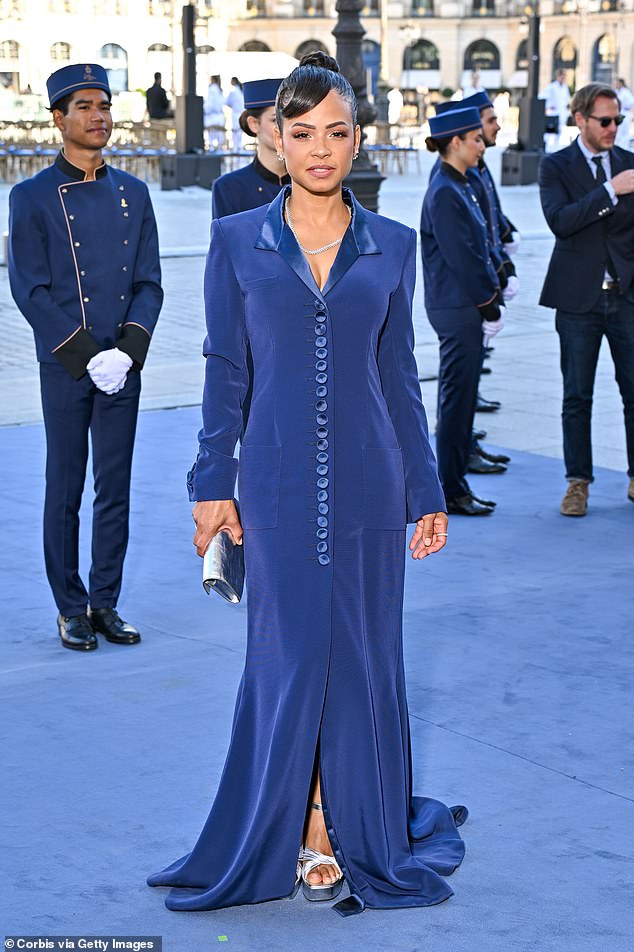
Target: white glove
[
  {"x": 491, "y": 328},
  {"x": 511, "y": 290},
  {"x": 108, "y": 370},
  {"x": 512, "y": 246}
]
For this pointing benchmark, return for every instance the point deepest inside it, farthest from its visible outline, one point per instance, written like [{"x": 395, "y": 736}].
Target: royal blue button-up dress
[{"x": 334, "y": 462}]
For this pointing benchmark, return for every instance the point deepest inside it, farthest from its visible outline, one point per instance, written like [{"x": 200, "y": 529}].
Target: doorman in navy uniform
[
  {"x": 84, "y": 271},
  {"x": 259, "y": 182},
  {"x": 503, "y": 240},
  {"x": 463, "y": 298}
]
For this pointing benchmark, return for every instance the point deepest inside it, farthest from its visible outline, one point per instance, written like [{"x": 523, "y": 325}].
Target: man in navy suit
[
  {"x": 587, "y": 194},
  {"x": 84, "y": 270}
]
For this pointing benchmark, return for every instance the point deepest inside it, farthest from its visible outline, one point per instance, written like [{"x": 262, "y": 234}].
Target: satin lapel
[
  {"x": 293, "y": 256},
  {"x": 346, "y": 257},
  {"x": 275, "y": 235},
  {"x": 358, "y": 240}
]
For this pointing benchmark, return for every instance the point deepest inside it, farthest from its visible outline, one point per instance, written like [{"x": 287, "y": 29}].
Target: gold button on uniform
[
  {"x": 72, "y": 217},
  {"x": 77, "y": 245},
  {"x": 86, "y": 300},
  {"x": 123, "y": 297}
]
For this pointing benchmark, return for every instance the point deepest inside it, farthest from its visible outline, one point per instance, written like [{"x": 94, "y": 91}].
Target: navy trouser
[
  {"x": 459, "y": 331},
  {"x": 580, "y": 337},
  {"x": 72, "y": 409}
]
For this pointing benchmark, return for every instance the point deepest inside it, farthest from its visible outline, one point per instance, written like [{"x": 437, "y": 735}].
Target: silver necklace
[{"x": 307, "y": 251}]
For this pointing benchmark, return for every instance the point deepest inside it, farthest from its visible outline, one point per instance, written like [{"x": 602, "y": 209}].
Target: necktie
[{"x": 601, "y": 178}]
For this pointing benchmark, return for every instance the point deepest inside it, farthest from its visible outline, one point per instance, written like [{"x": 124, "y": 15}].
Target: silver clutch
[{"x": 223, "y": 568}]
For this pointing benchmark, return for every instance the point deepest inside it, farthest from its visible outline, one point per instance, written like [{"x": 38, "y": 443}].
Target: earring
[
  {"x": 355, "y": 156},
  {"x": 280, "y": 156}
]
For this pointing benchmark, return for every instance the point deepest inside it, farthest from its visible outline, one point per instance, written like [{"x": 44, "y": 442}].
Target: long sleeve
[
  {"x": 399, "y": 380},
  {"x": 453, "y": 233},
  {"x": 213, "y": 475},
  {"x": 31, "y": 279},
  {"x": 147, "y": 294},
  {"x": 566, "y": 217}
]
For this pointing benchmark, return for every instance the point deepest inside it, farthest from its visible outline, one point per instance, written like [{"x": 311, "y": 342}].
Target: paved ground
[
  {"x": 518, "y": 647},
  {"x": 525, "y": 365}
]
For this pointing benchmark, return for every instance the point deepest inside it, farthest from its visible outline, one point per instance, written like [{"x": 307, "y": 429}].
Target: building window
[
  {"x": 483, "y": 8},
  {"x": 604, "y": 60},
  {"x": 309, "y": 46},
  {"x": 422, "y": 8},
  {"x": 256, "y": 8},
  {"x": 481, "y": 55},
  {"x": 114, "y": 60},
  {"x": 565, "y": 57},
  {"x": 313, "y": 8},
  {"x": 60, "y": 52},
  {"x": 9, "y": 50},
  {"x": 371, "y": 53},
  {"x": 254, "y": 46},
  {"x": 521, "y": 57},
  {"x": 370, "y": 8},
  {"x": 423, "y": 54}
]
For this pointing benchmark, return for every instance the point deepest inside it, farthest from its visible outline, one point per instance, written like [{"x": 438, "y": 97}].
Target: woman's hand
[
  {"x": 212, "y": 517},
  {"x": 430, "y": 535}
]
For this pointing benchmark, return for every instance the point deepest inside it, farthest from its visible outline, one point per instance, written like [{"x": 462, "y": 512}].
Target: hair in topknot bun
[
  {"x": 319, "y": 58},
  {"x": 309, "y": 84}
]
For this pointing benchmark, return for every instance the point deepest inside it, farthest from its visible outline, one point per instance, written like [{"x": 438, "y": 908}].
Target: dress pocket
[
  {"x": 259, "y": 485},
  {"x": 384, "y": 503}
]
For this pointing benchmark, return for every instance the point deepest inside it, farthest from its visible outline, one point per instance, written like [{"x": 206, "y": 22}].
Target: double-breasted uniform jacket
[
  {"x": 458, "y": 266},
  {"x": 587, "y": 226},
  {"x": 83, "y": 263},
  {"x": 334, "y": 462},
  {"x": 248, "y": 187}
]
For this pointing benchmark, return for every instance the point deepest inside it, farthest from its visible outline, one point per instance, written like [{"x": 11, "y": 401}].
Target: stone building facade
[{"x": 432, "y": 44}]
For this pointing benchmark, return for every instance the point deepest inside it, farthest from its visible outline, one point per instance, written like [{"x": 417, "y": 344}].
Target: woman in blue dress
[
  {"x": 259, "y": 182},
  {"x": 334, "y": 462}
]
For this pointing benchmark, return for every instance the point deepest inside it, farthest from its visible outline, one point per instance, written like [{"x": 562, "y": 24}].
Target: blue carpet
[{"x": 519, "y": 656}]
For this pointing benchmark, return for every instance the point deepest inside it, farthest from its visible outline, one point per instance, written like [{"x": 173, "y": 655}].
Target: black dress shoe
[
  {"x": 479, "y": 434},
  {"x": 76, "y": 632},
  {"x": 485, "y": 370},
  {"x": 487, "y": 406},
  {"x": 467, "y": 506},
  {"x": 478, "y": 465},
  {"x": 492, "y": 457},
  {"x": 107, "y": 622},
  {"x": 484, "y": 502}
]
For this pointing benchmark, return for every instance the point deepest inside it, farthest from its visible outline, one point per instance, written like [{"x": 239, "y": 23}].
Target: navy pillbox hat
[
  {"x": 260, "y": 93},
  {"x": 454, "y": 121},
  {"x": 479, "y": 100},
  {"x": 68, "y": 79}
]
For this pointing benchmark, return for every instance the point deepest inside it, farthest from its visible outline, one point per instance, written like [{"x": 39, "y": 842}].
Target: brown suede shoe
[
  {"x": 630, "y": 490},
  {"x": 575, "y": 502}
]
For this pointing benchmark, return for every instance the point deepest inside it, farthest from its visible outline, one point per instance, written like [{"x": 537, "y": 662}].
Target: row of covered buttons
[{"x": 321, "y": 406}]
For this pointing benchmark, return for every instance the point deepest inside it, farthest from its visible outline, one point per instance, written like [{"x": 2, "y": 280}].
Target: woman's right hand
[{"x": 214, "y": 516}]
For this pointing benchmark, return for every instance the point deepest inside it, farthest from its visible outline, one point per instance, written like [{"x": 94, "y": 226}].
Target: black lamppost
[
  {"x": 191, "y": 165},
  {"x": 364, "y": 179},
  {"x": 520, "y": 165}
]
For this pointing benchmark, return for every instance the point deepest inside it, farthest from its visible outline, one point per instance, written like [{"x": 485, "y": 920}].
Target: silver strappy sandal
[{"x": 311, "y": 859}]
